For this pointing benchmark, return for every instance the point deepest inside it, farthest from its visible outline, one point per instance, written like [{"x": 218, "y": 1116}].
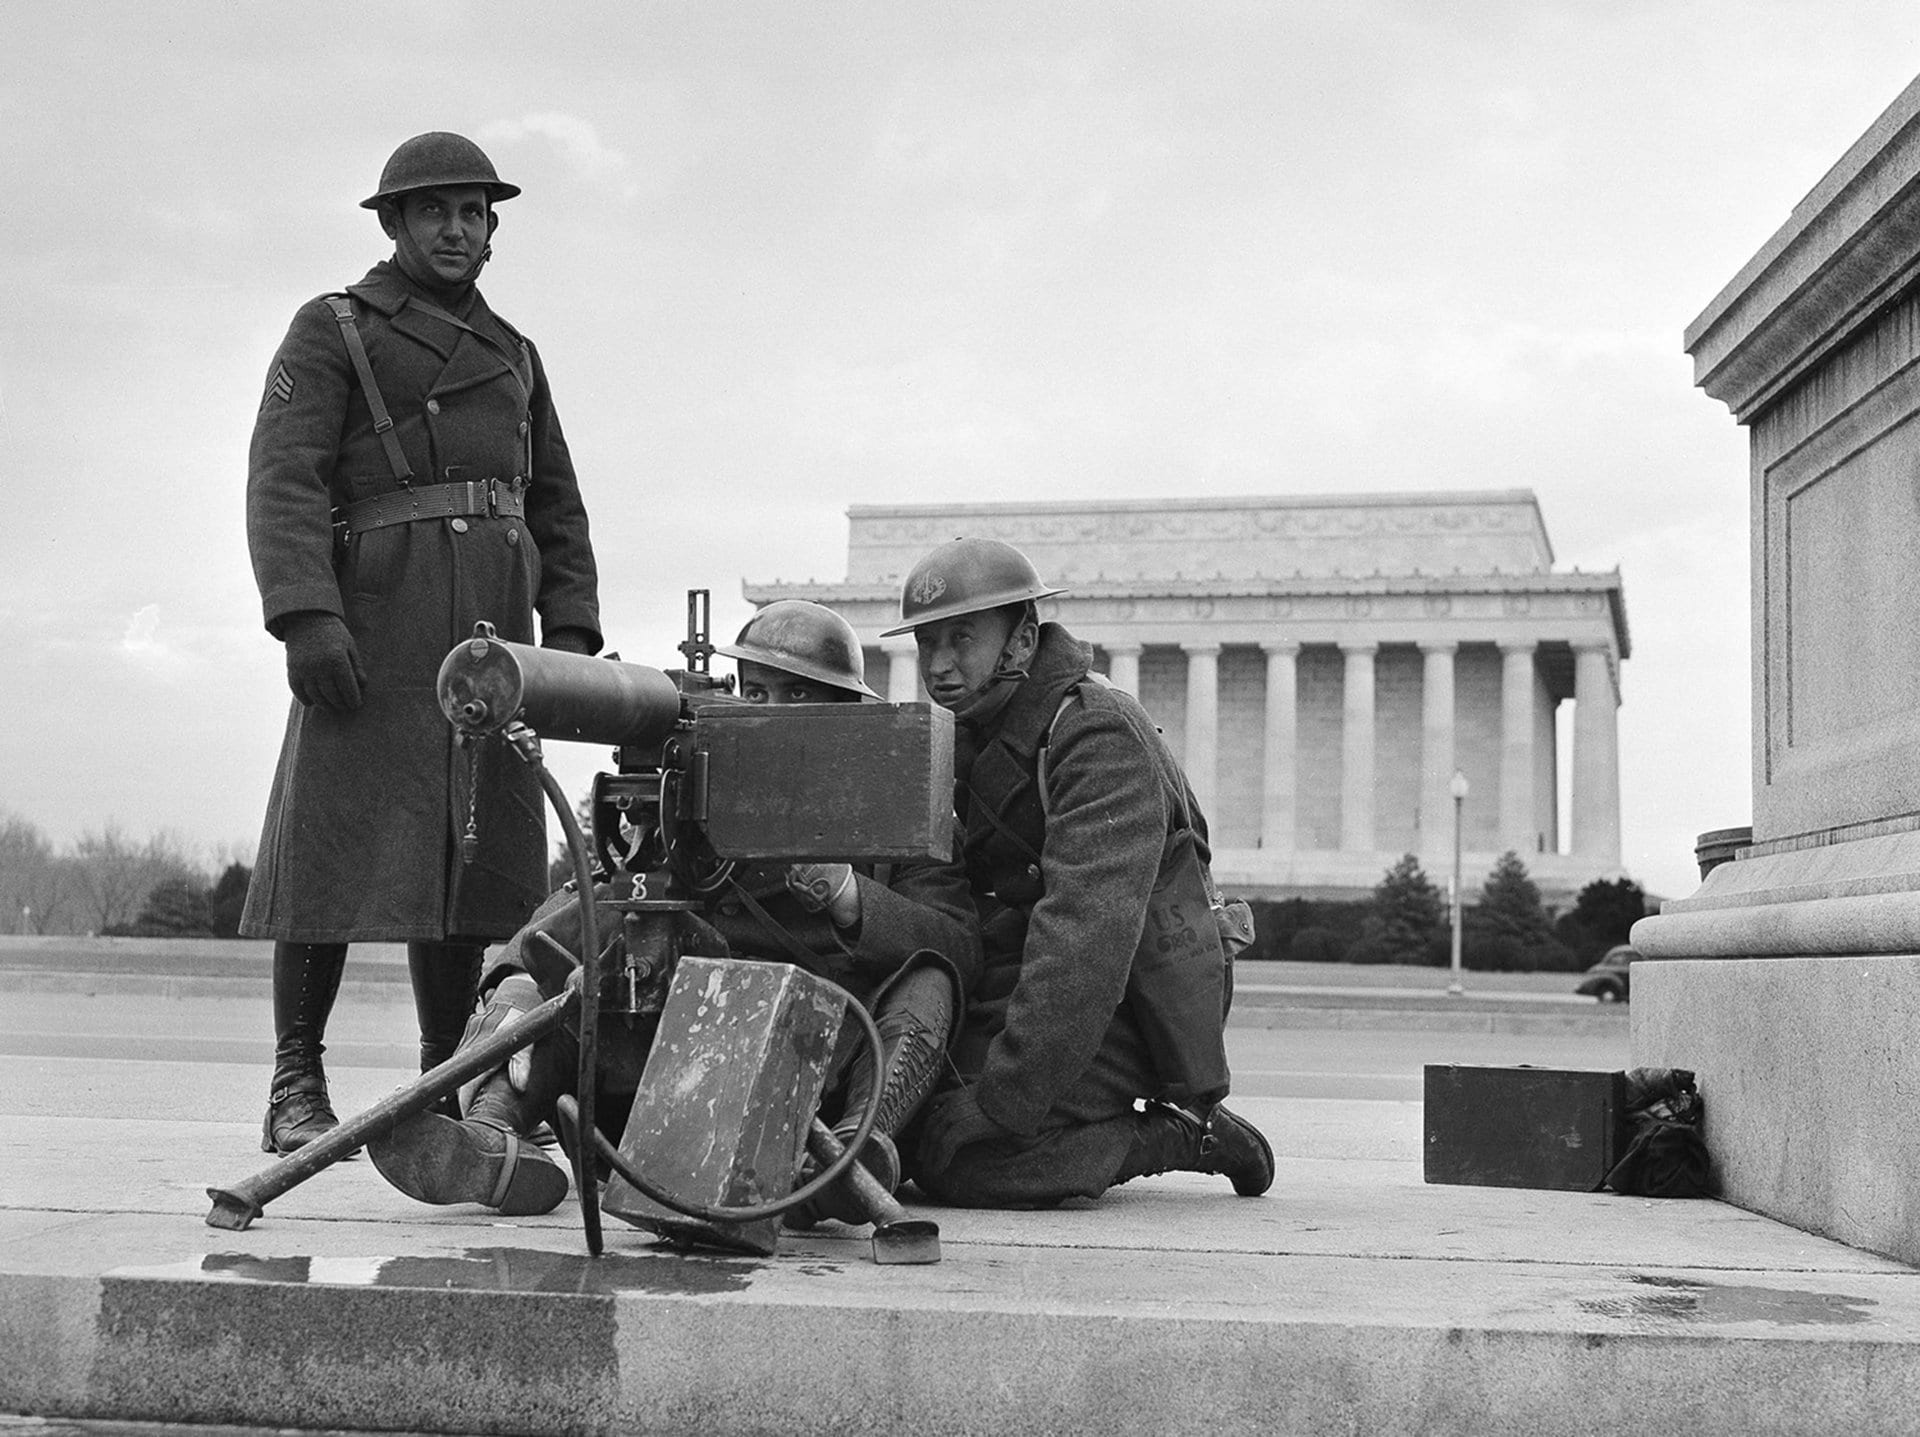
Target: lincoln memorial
[{"x": 1323, "y": 664}]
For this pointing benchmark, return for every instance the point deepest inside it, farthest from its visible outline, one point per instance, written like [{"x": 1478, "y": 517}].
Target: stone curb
[{"x": 821, "y": 1342}]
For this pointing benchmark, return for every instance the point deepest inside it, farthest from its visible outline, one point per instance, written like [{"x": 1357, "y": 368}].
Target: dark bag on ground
[{"x": 1667, "y": 1154}]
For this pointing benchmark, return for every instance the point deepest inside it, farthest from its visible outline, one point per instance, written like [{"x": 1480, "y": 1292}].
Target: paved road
[{"x": 207, "y": 1058}]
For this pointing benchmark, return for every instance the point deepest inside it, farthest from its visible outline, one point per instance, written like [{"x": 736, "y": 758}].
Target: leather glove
[
  {"x": 569, "y": 641},
  {"x": 323, "y": 666},
  {"x": 953, "y": 1120},
  {"x": 829, "y": 887}
]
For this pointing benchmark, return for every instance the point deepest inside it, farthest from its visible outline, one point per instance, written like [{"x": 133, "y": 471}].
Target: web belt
[{"x": 484, "y": 498}]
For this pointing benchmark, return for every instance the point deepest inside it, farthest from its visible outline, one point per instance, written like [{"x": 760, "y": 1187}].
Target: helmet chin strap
[{"x": 992, "y": 695}]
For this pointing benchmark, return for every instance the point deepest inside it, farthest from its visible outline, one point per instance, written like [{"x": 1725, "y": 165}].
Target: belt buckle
[{"x": 493, "y": 498}]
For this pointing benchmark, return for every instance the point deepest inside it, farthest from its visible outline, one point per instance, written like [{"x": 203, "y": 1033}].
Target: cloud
[
  {"x": 142, "y": 645},
  {"x": 576, "y": 141},
  {"x": 179, "y": 653},
  {"x": 141, "y": 631}
]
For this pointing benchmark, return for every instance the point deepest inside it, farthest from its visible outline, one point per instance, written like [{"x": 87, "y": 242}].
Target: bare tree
[
  {"x": 33, "y": 883},
  {"x": 113, "y": 875}
]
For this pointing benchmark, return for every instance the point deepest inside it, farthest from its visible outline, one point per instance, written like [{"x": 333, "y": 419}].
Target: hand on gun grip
[
  {"x": 829, "y": 887},
  {"x": 323, "y": 667}
]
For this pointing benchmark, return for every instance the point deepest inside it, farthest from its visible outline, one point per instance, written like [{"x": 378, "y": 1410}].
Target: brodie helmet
[
  {"x": 967, "y": 576},
  {"x": 808, "y": 640},
  {"x": 437, "y": 159}
]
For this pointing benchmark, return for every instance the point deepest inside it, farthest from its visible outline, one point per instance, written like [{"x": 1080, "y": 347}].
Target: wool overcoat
[
  {"x": 361, "y": 839},
  {"x": 1063, "y": 884}
]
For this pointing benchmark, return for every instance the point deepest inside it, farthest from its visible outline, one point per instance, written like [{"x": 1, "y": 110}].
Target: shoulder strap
[
  {"x": 428, "y": 307},
  {"x": 775, "y": 929},
  {"x": 1046, "y": 804},
  {"x": 1000, "y": 824},
  {"x": 382, "y": 421},
  {"x": 1072, "y": 693}
]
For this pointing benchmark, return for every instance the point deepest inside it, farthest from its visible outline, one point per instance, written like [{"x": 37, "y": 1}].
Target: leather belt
[{"x": 485, "y": 498}]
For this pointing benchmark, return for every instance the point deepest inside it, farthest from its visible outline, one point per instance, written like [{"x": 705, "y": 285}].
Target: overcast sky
[{"x": 784, "y": 258}]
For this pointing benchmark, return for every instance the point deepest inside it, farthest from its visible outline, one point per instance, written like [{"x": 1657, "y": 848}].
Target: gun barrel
[{"x": 486, "y": 683}]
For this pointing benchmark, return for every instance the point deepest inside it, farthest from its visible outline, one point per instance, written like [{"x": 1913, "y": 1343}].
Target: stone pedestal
[
  {"x": 1807, "y": 1067},
  {"x": 1797, "y": 997}
]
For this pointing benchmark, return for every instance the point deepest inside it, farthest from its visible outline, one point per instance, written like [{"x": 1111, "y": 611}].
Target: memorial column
[
  {"x": 1517, "y": 829},
  {"x": 1282, "y": 740},
  {"x": 1357, "y": 749},
  {"x": 1596, "y": 758},
  {"x": 1123, "y": 666},
  {"x": 903, "y": 669},
  {"x": 1437, "y": 760},
  {"x": 1203, "y": 721}
]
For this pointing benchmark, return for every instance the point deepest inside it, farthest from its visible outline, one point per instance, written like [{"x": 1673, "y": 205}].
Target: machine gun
[{"x": 703, "y": 782}]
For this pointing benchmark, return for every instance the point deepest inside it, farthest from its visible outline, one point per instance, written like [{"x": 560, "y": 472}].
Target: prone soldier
[{"x": 903, "y": 938}]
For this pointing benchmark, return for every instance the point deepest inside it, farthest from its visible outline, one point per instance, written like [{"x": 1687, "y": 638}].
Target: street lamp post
[{"x": 1458, "y": 788}]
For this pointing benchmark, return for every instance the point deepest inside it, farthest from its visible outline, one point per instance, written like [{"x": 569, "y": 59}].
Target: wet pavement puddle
[
  {"x": 1675, "y": 1299},
  {"x": 482, "y": 1269}
]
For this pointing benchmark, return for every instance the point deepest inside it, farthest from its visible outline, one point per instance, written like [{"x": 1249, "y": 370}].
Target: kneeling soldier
[
  {"x": 903, "y": 939},
  {"x": 1105, "y": 979}
]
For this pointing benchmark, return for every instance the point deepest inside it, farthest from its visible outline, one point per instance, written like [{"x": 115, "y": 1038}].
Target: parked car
[{"x": 1607, "y": 979}]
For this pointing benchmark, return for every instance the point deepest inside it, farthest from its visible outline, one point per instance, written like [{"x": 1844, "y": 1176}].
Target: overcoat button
[
  {"x": 433, "y": 406},
  {"x": 523, "y": 426},
  {"x": 459, "y": 526},
  {"x": 513, "y": 536}
]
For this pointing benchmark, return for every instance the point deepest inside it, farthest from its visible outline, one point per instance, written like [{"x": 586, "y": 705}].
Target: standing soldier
[
  {"x": 1106, "y": 982},
  {"x": 407, "y": 478}
]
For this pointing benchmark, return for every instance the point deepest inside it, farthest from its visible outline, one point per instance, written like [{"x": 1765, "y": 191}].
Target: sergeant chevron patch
[{"x": 282, "y": 386}]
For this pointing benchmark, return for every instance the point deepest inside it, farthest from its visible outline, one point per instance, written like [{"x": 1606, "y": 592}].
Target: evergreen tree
[
  {"x": 1510, "y": 899},
  {"x": 229, "y": 896},
  {"x": 1602, "y": 915},
  {"x": 174, "y": 908},
  {"x": 1408, "y": 911},
  {"x": 1510, "y": 928}
]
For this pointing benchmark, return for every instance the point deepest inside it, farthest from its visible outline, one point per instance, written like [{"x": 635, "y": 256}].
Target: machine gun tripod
[{"x": 704, "y": 781}]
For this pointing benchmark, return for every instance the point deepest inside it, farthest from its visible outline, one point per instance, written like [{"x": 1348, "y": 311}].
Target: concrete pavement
[{"x": 1352, "y": 1298}]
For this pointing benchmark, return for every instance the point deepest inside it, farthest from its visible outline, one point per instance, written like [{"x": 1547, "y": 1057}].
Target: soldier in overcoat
[
  {"x": 903, "y": 938},
  {"x": 407, "y": 478},
  {"x": 1091, "y": 1050}
]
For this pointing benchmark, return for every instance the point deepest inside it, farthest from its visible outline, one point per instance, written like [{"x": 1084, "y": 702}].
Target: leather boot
[
  {"x": 914, "y": 1020},
  {"x": 306, "y": 979},
  {"x": 1167, "y": 1139},
  {"x": 445, "y": 976},
  {"x": 486, "y": 1158}
]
